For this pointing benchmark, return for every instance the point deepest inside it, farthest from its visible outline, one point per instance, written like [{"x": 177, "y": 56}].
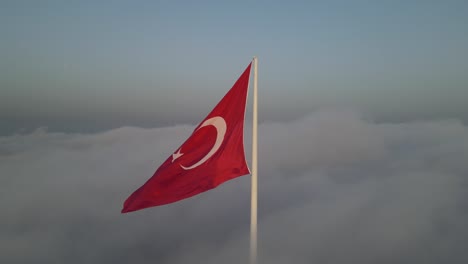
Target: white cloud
[{"x": 334, "y": 188}]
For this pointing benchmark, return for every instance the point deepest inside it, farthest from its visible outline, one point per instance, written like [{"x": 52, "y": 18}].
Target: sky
[
  {"x": 363, "y": 134},
  {"x": 94, "y": 65}
]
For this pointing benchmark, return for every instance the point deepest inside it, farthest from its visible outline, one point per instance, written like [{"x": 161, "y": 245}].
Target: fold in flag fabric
[{"x": 213, "y": 154}]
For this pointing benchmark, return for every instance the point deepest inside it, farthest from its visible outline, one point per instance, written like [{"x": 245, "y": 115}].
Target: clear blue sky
[{"x": 91, "y": 65}]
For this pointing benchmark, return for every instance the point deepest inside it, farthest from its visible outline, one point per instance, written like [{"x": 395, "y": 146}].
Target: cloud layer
[{"x": 334, "y": 188}]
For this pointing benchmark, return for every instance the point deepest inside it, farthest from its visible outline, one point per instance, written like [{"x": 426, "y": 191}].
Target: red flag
[{"x": 213, "y": 154}]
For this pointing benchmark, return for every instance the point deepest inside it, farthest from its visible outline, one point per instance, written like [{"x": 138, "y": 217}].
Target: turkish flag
[{"x": 213, "y": 154}]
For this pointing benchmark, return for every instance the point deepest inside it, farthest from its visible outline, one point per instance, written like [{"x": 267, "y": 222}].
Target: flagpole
[{"x": 254, "y": 194}]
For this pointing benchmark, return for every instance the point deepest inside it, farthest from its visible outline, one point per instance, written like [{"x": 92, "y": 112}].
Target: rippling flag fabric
[{"x": 213, "y": 154}]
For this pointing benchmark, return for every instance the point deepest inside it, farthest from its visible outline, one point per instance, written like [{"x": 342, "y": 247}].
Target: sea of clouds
[{"x": 333, "y": 188}]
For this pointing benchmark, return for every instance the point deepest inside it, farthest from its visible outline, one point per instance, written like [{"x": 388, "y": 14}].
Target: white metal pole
[{"x": 253, "y": 204}]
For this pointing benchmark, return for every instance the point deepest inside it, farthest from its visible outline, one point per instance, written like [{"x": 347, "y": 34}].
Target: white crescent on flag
[{"x": 220, "y": 125}]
